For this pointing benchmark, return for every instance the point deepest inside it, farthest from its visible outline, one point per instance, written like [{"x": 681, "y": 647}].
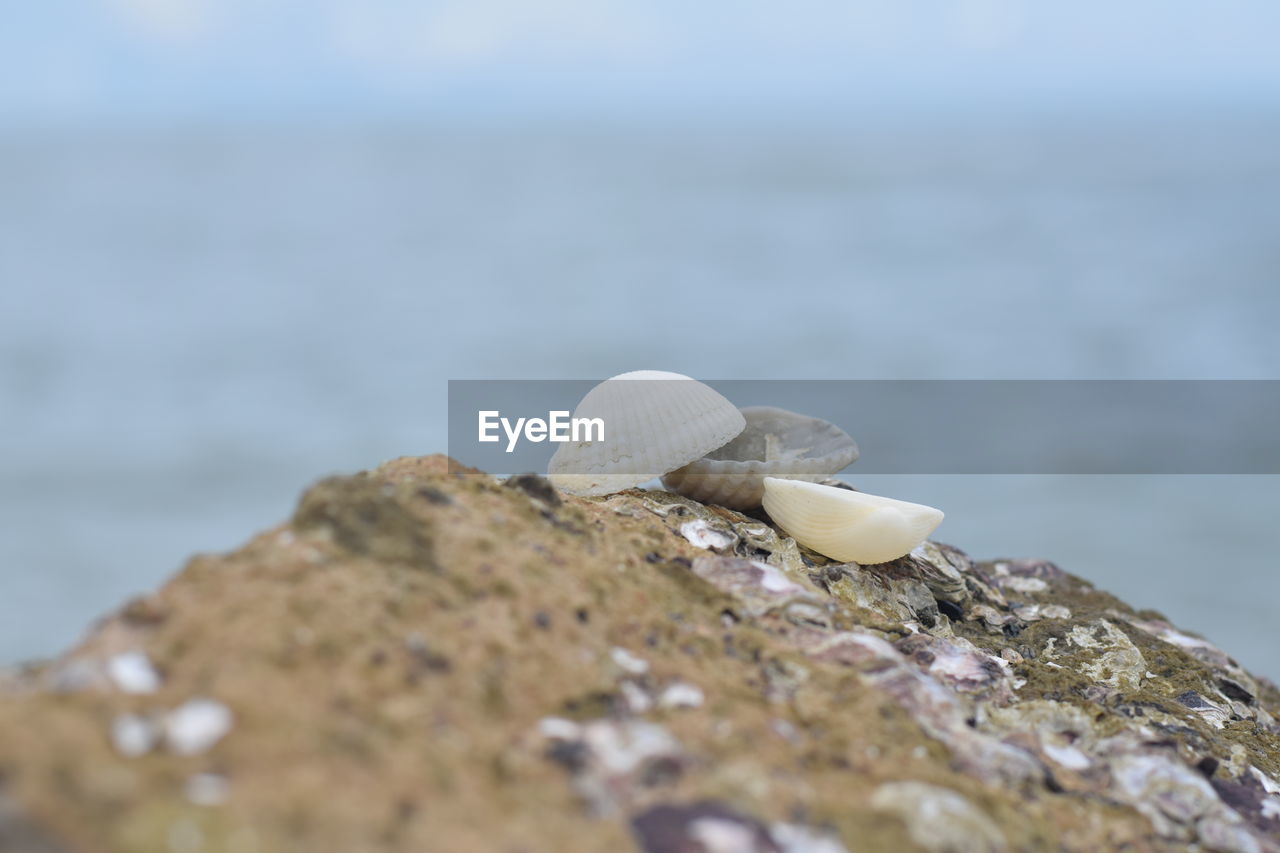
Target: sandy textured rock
[{"x": 424, "y": 658}]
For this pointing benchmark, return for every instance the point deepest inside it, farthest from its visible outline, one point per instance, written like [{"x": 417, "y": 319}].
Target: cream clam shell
[
  {"x": 775, "y": 443},
  {"x": 651, "y": 426},
  {"x": 845, "y": 525}
]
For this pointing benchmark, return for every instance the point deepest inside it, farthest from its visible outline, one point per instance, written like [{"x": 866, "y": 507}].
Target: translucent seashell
[
  {"x": 848, "y": 526},
  {"x": 775, "y": 443},
  {"x": 651, "y": 427}
]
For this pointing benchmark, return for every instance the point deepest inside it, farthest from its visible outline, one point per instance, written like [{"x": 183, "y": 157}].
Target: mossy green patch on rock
[{"x": 425, "y": 658}]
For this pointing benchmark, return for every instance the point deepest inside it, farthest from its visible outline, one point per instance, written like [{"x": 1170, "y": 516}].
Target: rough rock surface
[{"x": 428, "y": 659}]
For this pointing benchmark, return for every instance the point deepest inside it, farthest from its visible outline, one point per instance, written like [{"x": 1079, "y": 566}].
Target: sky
[{"x": 73, "y": 59}]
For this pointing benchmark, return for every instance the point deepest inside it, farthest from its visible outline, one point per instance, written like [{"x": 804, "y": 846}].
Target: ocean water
[{"x": 196, "y": 323}]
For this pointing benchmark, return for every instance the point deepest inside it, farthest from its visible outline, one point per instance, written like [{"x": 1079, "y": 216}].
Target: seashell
[
  {"x": 775, "y": 443},
  {"x": 652, "y": 426},
  {"x": 848, "y": 526}
]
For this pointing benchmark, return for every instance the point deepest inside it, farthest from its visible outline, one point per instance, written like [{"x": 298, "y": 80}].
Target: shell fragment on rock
[
  {"x": 775, "y": 443},
  {"x": 848, "y": 526},
  {"x": 654, "y": 422}
]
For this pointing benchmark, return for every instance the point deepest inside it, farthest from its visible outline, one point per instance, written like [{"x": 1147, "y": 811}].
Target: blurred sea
[{"x": 195, "y": 324}]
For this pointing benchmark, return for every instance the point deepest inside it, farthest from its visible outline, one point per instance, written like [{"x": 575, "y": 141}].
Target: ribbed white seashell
[
  {"x": 651, "y": 427},
  {"x": 775, "y": 443},
  {"x": 845, "y": 525}
]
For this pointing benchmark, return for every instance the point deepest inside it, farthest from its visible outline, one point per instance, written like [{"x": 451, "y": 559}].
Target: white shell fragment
[
  {"x": 703, "y": 535},
  {"x": 775, "y": 443},
  {"x": 207, "y": 789},
  {"x": 651, "y": 426},
  {"x": 681, "y": 694},
  {"x": 133, "y": 735},
  {"x": 845, "y": 525},
  {"x": 197, "y": 725},
  {"x": 628, "y": 662},
  {"x": 132, "y": 672}
]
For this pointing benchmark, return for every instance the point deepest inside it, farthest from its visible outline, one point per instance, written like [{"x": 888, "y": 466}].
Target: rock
[
  {"x": 613, "y": 761},
  {"x": 19, "y": 834},
  {"x": 710, "y": 827},
  {"x": 943, "y": 568},
  {"x": 1106, "y": 655},
  {"x": 939, "y": 819},
  {"x": 535, "y": 486},
  {"x": 427, "y": 658},
  {"x": 755, "y": 587},
  {"x": 701, "y": 828}
]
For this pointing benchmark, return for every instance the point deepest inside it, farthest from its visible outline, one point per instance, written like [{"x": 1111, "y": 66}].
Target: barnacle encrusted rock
[{"x": 425, "y": 658}]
